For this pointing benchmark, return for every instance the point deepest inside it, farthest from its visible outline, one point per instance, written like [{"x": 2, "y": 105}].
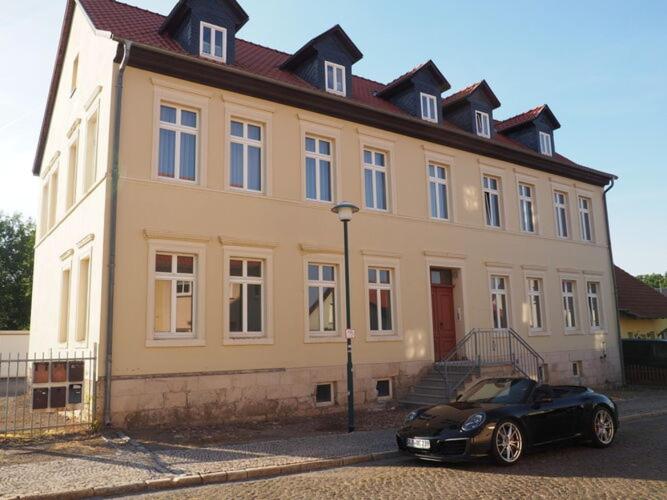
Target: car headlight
[
  {"x": 411, "y": 416},
  {"x": 474, "y": 421}
]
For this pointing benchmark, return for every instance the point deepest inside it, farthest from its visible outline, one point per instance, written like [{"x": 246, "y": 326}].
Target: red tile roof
[
  {"x": 461, "y": 94},
  {"x": 638, "y": 299},
  {"x": 520, "y": 119},
  {"x": 142, "y": 26}
]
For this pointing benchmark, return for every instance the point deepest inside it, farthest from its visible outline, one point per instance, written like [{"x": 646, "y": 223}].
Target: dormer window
[
  {"x": 335, "y": 78},
  {"x": 428, "y": 108},
  {"x": 545, "y": 144},
  {"x": 482, "y": 124},
  {"x": 213, "y": 42}
]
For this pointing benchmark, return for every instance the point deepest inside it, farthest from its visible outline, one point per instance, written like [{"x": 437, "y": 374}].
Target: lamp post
[{"x": 345, "y": 210}]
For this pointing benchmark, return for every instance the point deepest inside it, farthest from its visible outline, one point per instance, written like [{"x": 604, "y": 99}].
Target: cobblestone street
[{"x": 634, "y": 467}]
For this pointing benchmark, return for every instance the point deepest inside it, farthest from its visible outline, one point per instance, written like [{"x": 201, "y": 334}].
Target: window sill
[
  {"x": 574, "y": 332},
  {"x": 382, "y": 337},
  {"x": 539, "y": 333},
  {"x": 248, "y": 340},
  {"x": 323, "y": 339},
  {"x": 175, "y": 342}
]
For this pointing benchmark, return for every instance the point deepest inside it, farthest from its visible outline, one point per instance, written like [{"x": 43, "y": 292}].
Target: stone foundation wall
[
  {"x": 209, "y": 398},
  {"x": 597, "y": 370}
]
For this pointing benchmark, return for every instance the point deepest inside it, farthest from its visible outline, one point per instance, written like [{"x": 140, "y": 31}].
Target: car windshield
[{"x": 505, "y": 390}]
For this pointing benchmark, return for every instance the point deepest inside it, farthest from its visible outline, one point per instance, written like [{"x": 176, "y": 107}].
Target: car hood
[{"x": 450, "y": 416}]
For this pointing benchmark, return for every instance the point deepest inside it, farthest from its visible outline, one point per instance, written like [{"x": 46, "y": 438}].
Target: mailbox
[
  {"x": 75, "y": 394},
  {"x": 40, "y": 398},
  {"x": 40, "y": 373},
  {"x": 58, "y": 371},
  {"x": 58, "y": 397},
  {"x": 75, "y": 369}
]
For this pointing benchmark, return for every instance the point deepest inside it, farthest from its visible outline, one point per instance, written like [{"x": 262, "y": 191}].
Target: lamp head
[{"x": 345, "y": 210}]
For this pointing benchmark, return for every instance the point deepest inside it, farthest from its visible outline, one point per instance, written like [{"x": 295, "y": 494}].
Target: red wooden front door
[{"x": 444, "y": 333}]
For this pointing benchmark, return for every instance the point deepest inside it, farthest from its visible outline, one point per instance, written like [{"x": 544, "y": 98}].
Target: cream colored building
[{"x": 228, "y": 295}]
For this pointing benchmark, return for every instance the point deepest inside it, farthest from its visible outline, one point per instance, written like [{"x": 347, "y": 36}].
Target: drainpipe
[
  {"x": 613, "y": 280},
  {"x": 111, "y": 279}
]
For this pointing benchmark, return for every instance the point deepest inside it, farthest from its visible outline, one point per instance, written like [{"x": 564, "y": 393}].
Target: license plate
[{"x": 422, "y": 444}]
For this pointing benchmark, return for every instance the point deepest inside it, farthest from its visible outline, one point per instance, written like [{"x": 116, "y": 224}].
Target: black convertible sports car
[{"x": 503, "y": 417}]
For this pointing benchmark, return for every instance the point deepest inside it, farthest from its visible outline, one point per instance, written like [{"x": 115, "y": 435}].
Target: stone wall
[
  {"x": 597, "y": 368},
  {"x": 210, "y": 398}
]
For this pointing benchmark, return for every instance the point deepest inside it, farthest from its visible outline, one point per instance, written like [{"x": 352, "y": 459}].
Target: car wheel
[
  {"x": 508, "y": 443},
  {"x": 603, "y": 427}
]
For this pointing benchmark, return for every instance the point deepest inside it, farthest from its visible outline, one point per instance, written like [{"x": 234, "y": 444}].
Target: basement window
[
  {"x": 324, "y": 394},
  {"x": 576, "y": 368},
  {"x": 383, "y": 388}
]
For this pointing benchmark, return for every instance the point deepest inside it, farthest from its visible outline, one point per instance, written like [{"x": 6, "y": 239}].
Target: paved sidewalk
[{"x": 50, "y": 468}]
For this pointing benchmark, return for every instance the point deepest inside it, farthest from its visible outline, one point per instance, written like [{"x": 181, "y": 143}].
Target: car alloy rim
[
  {"x": 509, "y": 442},
  {"x": 604, "y": 426}
]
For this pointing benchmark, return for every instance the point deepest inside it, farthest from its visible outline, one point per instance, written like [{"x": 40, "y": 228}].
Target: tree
[
  {"x": 17, "y": 241},
  {"x": 654, "y": 279}
]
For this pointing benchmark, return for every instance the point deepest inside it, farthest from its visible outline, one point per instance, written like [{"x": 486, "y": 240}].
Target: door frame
[{"x": 455, "y": 263}]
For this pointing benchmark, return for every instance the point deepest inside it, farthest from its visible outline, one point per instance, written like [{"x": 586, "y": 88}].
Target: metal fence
[{"x": 46, "y": 393}]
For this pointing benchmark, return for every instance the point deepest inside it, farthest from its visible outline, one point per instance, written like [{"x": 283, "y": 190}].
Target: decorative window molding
[
  {"x": 72, "y": 185},
  {"x": 335, "y": 78},
  {"x": 190, "y": 281},
  {"x": 384, "y": 146},
  {"x": 85, "y": 240},
  {"x": 570, "y": 305},
  {"x": 154, "y": 234},
  {"x": 536, "y": 303},
  {"x": 320, "y": 249},
  {"x": 561, "y": 214},
  {"x": 376, "y": 179},
  {"x": 212, "y": 41},
  {"x": 90, "y": 173},
  {"x": 74, "y": 76},
  {"x": 527, "y": 208},
  {"x": 383, "y": 285},
  {"x": 321, "y": 132},
  {"x": 586, "y": 227},
  {"x": 243, "y": 282},
  {"x": 493, "y": 201},
  {"x": 323, "y": 286},
  {"x": 499, "y": 289},
  {"x": 64, "y": 318},
  {"x": 482, "y": 124},
  {"x": 438, "y": 191},
  {"x": 83, "y": 299},
  {"x": 429, "y": 106},
  {"x": 594, "y": 303},
  {"x": 545, "y": 144}
]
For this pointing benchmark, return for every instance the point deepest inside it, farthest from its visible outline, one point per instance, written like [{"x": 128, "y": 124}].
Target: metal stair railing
[{"x": 488, "y": 348}]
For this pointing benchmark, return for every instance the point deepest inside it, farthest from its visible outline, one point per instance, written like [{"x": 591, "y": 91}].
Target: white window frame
[
  {"x": 244, "y": 281},
  {"x": 73, "y": 170},
  {"x": 65, "y": 304},
  {"x": 492, "y": 192},
  {"x": 178, "y": 128},
  {"x": 562, "y": 226},
  {"x": 74, "y": 76},
  {"x": 53, "y": 198},
  {"x": 597, "y": 298},
  {"x": 90, "y": 155},
  {"x": 320, "y": 284},
  {"x": 265, "y": 255},
  {"x": 213, "y": 29},
  {"x": 565, "y": 294},
  {"x": 429, "y": 112},
  {"x": 246, "y": 142},
  {"x": 391, "y": 389},
  {"x": 374, "y": 169},
  {"x": 83, "y": 289},
  {"x": 545, "y": 144},
  {"x": 197, "y": 336},
  {"x": 586, "y": 214},
  {"x": 524, "y": 200},
  {"x": 393, "y": 265},
  {"x": 318, "y": 157},
  {"x": 485, "y": 129},
  {"x": 438, "y": 182},
  {"x": 494, "y": 291},
  {"x": 540, "y": 295},
  {"x": 332, "y": 89},
  {"x": 332, "y": 389}
]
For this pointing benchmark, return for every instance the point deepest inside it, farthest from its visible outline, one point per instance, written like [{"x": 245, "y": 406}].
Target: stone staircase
[{"x": 432, "y": 388}]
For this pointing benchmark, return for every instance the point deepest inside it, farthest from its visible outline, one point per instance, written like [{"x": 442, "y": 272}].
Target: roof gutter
[
  {"x": 113, "y": 214},
  {"x": 613, "y": 280}
]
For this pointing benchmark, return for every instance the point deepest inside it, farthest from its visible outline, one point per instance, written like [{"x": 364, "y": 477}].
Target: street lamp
[{"x": 345, "y": 210}]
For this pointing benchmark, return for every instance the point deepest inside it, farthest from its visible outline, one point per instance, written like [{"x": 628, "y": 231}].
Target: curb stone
[{"x": 245, "y": 474}]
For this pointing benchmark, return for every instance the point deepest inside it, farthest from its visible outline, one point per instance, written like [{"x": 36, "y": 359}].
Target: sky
[{"x": 601, "y": 65}]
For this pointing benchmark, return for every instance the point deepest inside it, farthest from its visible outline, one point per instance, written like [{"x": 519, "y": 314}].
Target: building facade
[
  {"x": 227, "y": 292},
  {"x": 642, "y": 310}
]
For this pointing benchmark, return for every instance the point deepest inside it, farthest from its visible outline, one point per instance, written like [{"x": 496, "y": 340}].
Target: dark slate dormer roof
[
  {"x": 462, "y": 94},
  {"x": 180, "y": 11},
  {"x": 405, "y": 80},
  {"x": 523, "y": 119},
  {"x": 308, "y": 50},
  {"x": 637, "y": 299}
]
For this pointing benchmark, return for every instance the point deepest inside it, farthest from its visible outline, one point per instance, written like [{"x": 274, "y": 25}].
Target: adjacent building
[
  {"x": 642, "y": 310},
  {"x": 188, "y": 179}
]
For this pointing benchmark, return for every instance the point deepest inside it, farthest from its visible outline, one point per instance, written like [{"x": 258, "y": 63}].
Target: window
[
  {"x": 213, "y": 42},
  {"x": 482, "y": 124},
  {"x": 560, "y": 208},
  {"x": 594, "y": 312},
  {"x": 545, "y": 144},
  {"x": 53, "y": 198},
  {"x": 383, "y": 389},
  {"x": 585, "y": 218},
  {"x": 335, "y": 78},
  {"x": 429, "y": 112},
  {"x": 527, "y": 208},
  {"x": 91, "y": 153},
  {"x": 499, "y": 301},
  {"x": 492, "y": 200},
  {"x": 44, "y": 210},
  {"x": 65, "y": 283},
  {"x": 576, "y": 368},
  {"x": 536, "y": 303},
  {"x": 318, "y": 169},
  {"x": 380, "y": 300},
  {"x": 569, "y": 289},
  {"x": 437, "y": 181},
  {"x": 246, "y": 156},
  {"x": 75, "y": 75},
  {"x": 179, "y": 132},
  {"x": 175, "y": 286},
  {"x": 246, "y": 296},
  {"x": 83, "y": 300},
  {"x": 322, "y": 303},
  {"x": 324, "y": 394},
  {"x": 375, "y": 179},
  {"x": 72, "y": 174}
]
